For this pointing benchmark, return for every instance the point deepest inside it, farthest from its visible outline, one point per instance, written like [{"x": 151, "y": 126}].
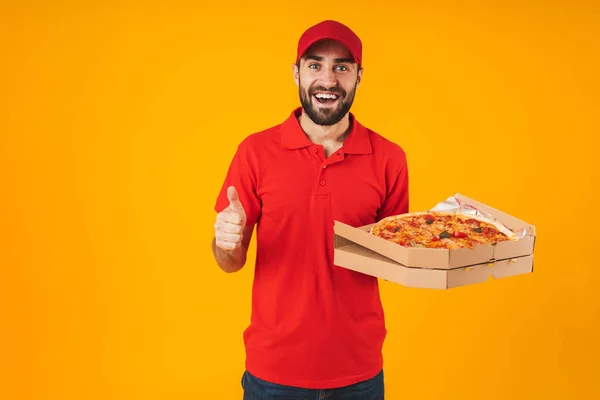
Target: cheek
[
  {"x": 349, "y": 86},
  {"x": 305, "y": 85},
  {"x": 308, "y": 78}
]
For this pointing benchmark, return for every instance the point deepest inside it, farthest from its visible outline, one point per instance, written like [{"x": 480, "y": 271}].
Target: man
[{"x": 316, "y": 330}]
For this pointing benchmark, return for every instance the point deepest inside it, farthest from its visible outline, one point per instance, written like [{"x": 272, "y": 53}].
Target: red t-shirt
[{"x": 313, "y": 324}]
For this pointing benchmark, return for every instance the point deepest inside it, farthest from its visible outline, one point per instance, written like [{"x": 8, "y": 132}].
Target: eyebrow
[{"x": 337, "y": 60}]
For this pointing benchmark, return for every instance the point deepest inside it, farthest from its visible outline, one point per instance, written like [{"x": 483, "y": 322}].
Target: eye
[
  {"x": 313, "y": 66},
  {"x": 342, "y": 68}
]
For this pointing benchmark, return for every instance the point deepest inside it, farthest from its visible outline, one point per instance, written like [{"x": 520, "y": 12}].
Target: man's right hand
[{"x": 230, "y": 223}]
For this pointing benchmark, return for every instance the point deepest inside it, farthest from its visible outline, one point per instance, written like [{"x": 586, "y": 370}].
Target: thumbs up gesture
[{"x": 230, "y": 223}]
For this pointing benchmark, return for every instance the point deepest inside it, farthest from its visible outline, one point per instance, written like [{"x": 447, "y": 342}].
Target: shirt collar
[{"x": 293, "y": 137}]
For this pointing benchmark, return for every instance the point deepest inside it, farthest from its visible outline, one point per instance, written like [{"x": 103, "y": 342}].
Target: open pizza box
[{"x": 355, "y": 248}]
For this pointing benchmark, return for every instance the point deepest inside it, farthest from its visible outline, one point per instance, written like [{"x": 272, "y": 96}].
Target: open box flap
[{"x": 507, "y": 220}]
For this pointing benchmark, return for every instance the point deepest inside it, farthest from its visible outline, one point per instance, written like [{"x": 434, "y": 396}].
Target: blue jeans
[{"x": 258, "y": 389}]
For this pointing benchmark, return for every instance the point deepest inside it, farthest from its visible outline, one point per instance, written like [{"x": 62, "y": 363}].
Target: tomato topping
[
  {"x": 435, "y": 239},
  {"x": 458, "y": 234},
  {"x": 472, "y": 221}
]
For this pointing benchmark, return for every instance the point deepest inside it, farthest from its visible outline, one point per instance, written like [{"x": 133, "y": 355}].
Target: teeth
[{"x": 325, "y": 96}]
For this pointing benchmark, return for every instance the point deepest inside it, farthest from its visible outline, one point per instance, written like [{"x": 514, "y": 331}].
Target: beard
[{"x": 326, "y": 115}]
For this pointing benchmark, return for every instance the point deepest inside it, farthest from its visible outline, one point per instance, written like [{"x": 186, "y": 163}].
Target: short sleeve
[
  {"x": 242, "y": 175},
  {"x": 396, "y": 201}
]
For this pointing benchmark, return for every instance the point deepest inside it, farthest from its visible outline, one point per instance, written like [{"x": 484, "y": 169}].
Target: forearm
[{"x": 230, "y": 261}]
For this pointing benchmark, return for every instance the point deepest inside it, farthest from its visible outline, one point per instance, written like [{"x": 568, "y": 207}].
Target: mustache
[{"x": 336, "y": 90}]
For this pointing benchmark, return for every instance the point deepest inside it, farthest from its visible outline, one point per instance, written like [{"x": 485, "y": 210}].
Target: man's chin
[
  {"x": 325, "y": 111},
  {"x": 326, "y": 119}
]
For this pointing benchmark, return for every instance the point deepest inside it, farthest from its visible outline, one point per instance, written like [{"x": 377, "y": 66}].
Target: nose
[{"x": 329, "y": 78}]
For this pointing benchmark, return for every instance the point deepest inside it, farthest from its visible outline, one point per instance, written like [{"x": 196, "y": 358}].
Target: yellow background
[{"x": 118, "y": 121}]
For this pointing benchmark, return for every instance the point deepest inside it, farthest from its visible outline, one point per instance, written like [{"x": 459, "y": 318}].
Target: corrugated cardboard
[{"x": 358, "y": 250}]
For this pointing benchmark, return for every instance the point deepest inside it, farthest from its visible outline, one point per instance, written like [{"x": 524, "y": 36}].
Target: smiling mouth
[{"x": 326, "y": 98}]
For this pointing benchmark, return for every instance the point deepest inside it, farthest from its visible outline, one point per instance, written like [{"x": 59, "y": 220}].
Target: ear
[
  {"x": 359, "y": 77},
  {"x": 296, "y": 74}
]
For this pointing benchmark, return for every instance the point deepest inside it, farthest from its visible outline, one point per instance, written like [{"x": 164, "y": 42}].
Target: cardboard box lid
[
  {"x": 444, "y": 258},
  {"x": 509, "y": 221}
]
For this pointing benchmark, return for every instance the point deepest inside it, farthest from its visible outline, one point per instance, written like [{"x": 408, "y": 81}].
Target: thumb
[{"x": 234, "y": 200}]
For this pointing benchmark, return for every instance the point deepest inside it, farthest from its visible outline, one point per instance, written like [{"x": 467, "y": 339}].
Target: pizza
[{"x": 441, "y": 230}]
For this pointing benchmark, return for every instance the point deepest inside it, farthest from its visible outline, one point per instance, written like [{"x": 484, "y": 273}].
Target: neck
[{"x": 320, "y": 134}]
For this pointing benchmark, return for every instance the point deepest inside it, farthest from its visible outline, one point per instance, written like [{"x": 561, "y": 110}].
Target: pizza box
[{"x": 355, "y": 248}]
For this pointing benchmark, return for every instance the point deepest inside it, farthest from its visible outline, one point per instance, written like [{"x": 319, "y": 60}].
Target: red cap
[{"x": 331, "y": 30}]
